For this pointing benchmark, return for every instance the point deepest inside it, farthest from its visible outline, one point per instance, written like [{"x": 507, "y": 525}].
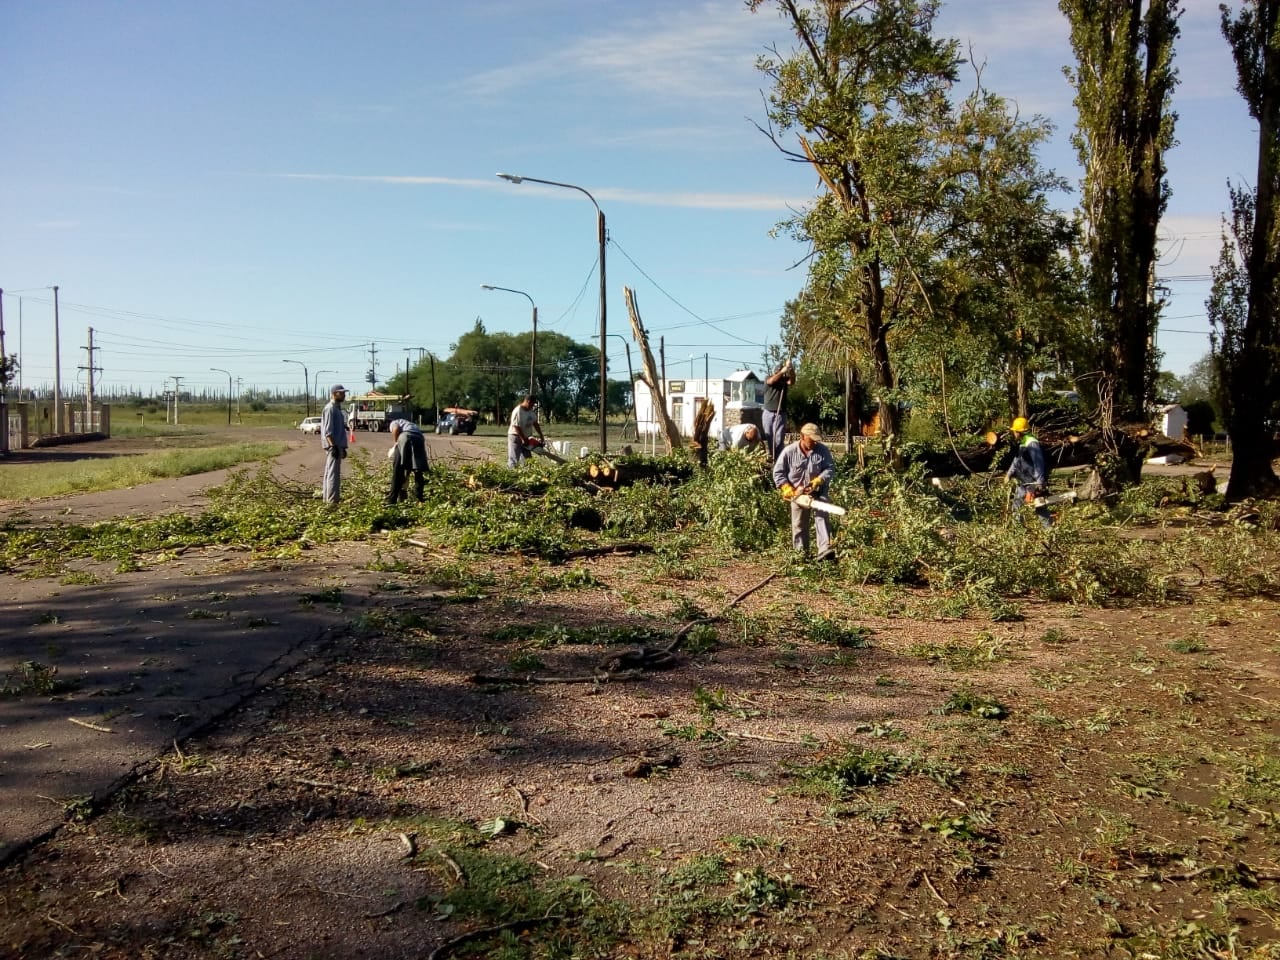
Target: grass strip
[{"x": 89, "y": 476}]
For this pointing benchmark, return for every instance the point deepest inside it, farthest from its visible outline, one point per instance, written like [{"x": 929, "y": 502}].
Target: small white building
[
  {"x": 738, "y": 399},
  {"x": 1172, "y": 420}
]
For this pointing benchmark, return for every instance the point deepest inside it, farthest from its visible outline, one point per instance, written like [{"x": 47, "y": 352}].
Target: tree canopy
[{"x": 490, "y": 372}]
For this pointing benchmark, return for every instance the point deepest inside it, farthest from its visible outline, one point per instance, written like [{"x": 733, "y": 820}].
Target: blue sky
[{"x": 242, "y": 184}]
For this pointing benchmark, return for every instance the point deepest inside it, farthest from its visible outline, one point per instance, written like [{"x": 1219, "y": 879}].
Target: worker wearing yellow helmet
[{"x": 1028, "y": 467}]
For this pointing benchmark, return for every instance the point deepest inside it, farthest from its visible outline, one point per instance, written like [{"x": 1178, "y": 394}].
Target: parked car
[
  {"x": 310, "y": 425},
  {"x": 456, "y": 420}
]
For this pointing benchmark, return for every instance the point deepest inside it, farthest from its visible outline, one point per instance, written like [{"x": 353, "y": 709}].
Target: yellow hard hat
[{"x": 1019, "y": 425}]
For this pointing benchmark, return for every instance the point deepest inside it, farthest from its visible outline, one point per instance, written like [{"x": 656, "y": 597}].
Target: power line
[{"x": 659, "y": 287}]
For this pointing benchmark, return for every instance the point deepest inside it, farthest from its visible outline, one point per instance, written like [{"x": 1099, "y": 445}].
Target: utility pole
[
  {"x": 4, "y": 386},
  {"x": 372, "y": 376},
  {"x": 57, "y": 369},
  {"x": 2, "y": 354},
  {"x": 435, "y": 404},
  {"x": 89, "y": 369},
  {"x": 239, "y": 381},
  {"x": 177, "y": 384}
]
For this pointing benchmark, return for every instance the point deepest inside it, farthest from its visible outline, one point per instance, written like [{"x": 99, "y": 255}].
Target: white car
[{"x": 310, "y": 425}]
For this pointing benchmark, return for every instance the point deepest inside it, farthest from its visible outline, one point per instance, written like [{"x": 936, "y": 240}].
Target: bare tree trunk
[{"x": 649, "y": 373}]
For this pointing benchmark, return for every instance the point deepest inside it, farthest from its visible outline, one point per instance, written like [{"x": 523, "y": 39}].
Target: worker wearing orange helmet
[{"x": 1028, "y": 467}]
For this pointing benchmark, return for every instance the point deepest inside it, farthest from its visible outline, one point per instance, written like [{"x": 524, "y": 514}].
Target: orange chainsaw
[{"x": 534, "y": 445}]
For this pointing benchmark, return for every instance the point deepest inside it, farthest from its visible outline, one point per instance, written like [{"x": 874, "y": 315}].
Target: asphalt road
[{"x": 144, "y": 660}]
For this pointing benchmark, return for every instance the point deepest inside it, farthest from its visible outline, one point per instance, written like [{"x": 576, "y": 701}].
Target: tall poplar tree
[
  {"x": 1124, "y": 79},
  {"x": 1242, "y": 306}
]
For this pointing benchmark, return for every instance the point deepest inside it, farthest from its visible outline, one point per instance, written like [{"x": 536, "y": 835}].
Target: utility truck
[{"x": 375, "y": 411}]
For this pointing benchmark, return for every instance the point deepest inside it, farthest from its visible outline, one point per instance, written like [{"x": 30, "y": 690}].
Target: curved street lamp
[
  {"x": 315, "y": 390},
  {"x": 600, "y": 236},
  {"x": 229, "y": 390},
  {"x": 533, "y": 351},
  {"x": 306, "y": 383}
]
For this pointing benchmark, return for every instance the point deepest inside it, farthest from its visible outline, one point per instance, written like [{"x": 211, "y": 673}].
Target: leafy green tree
[
  {"x": 568, "y": 376},
  {"x": 1243, "y": 301},
  {"x": 8, "y": 370},
  {"x": 1200, "y": 382},
  {"x": 1124, "y": 79},
  {"x": 1006, "y": 296},
  {"x": 490, "y": 372},
  {"x": 866, "y": 95}
]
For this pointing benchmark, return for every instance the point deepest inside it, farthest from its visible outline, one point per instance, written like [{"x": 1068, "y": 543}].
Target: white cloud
[
  {"x": 397, "y": 180},
  {"x": 701, "y": 200},
  {"x": 702, "y": 51}
]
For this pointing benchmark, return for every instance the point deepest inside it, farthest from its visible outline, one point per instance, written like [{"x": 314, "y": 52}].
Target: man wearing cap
[
  {"x": 524, "y": 423},
  {"x": 333, "y": 438},
  {"x": 1028, "y": 468},
  {"x": 408, "y": 455},
  {"x": 806, "y": 467}
]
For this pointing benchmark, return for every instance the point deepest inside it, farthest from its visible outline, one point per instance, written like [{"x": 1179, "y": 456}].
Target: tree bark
[{"x": 649, "y": 374}]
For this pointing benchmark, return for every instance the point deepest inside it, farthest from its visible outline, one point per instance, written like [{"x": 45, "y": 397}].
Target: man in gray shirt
[
  {"x": 333, "y": 438},
  {"x": 806, "y": 467}
]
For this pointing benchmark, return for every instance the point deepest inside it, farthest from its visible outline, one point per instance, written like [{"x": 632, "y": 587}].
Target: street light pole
[
  {"x": 316, "y": 389},
  {"x": 57, "y": 368},
  {"x": 601, "y": 237},
  {"x": 228, "y": 373},
  {"x": 533, "y": 351},
  {"x": 631, "y": 384},
  {"x": 306, "y": 384}
]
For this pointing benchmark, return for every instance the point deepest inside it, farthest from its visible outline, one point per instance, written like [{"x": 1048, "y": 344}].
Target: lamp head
[
  {"x": 485, "y": 286},
  {"x": 511, "y": 177}
]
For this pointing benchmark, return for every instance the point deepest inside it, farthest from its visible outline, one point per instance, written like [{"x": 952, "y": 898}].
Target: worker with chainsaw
[
  {"x": 743, "y": 436},
  {"x": 520, "y": 432},
  {"x": 1028, "y": 469},
  {"x": 774, "y": 418},
  {"x": 408, "y": 455},
  {"x": 333, "y": 438},
  {"x": 803, "y": 473}
]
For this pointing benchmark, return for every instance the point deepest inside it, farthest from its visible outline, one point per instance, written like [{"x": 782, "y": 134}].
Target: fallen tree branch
[
  {"x": 330, "y": 786},
  {"x": 932, "y": 889},
  {"x": 449, "y": 945},
  {"x": 683, "y": 631},
  {"x": 458, "y": 875},
  {"x": 628, "y": 547},
  {"x": 91, "y": 726},
  {"x": 622, "y": 675}
]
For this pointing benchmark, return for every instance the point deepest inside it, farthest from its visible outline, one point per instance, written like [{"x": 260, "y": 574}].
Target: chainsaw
[
  {"x": 534, "y": 445},
  {"x": 806, "y": 502},
  {"x": 1049, "y": 501}
]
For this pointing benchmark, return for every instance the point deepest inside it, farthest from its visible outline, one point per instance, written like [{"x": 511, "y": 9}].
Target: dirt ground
[{"x": 433, "y": 771}]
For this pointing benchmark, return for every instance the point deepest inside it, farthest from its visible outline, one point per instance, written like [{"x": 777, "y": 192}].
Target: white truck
[{"x": 375, "y": 411}]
